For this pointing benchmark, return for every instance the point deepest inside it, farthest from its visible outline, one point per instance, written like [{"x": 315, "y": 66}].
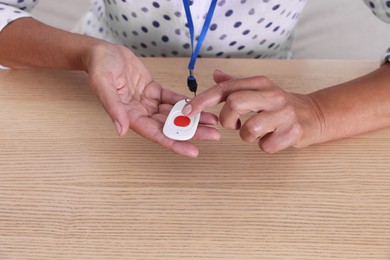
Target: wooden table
[{"x": 71, "y": 189}]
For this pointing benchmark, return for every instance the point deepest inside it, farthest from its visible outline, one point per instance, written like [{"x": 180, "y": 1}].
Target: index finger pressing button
[{"x": 178, "y": 126}]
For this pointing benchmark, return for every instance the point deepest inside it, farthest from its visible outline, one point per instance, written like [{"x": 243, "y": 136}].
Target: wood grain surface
[{"x": 71, "y": 189}]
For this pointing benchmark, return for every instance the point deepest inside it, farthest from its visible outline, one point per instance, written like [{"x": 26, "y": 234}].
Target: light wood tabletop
[{"x": 70, "y": 188}]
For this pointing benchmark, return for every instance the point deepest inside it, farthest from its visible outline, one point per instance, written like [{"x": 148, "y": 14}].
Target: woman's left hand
[{"x": 134, "y": 100}]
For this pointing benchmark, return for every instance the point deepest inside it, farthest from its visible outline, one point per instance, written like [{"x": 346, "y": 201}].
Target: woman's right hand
[{"x": 277, "y": 119}]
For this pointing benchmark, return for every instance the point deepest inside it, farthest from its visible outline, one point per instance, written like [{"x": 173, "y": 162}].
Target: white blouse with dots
[{"x": 241, "y": 28}]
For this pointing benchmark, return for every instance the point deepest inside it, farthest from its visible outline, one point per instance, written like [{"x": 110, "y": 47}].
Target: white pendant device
[{"x": 178, "y": 126}]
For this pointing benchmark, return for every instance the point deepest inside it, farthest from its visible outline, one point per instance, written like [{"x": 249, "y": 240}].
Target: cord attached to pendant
[{"x": 191, "y": 80}]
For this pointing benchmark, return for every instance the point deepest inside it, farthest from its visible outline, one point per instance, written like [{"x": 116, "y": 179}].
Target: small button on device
[
  {"x": 178, "y": 126},
  {"x": 182, "y": 121}
]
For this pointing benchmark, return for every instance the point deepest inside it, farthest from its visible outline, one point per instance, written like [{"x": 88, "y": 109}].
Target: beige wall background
[
  {"x": 331, "y": 29},
  {"x": 340, "y": 29}
]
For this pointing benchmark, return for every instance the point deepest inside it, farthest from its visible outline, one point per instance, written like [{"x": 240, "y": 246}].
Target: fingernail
[
  {"x": 118, "y": 127},
  {"x": 187, "y": 109}
]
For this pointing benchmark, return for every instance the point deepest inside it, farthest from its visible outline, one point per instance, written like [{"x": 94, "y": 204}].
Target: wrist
[
  {"x": 313, "y": 122},
  {"x": 94, "y": 50}
]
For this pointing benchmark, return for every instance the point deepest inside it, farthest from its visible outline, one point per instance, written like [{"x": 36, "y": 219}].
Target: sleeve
[
  {"x": 11, "y": 10},
  {"x": 381, "y": 9}
]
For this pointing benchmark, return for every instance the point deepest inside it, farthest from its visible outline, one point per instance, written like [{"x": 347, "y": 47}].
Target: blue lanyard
[{"x": 191, "y": 81}]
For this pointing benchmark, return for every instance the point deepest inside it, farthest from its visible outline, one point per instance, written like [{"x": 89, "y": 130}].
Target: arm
[
  {"x": 355, "y": 107},
  {"x": 27, "y": 42}
]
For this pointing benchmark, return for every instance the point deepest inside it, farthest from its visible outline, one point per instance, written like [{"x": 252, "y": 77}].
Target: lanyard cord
[{"x": 191, "y": 81}]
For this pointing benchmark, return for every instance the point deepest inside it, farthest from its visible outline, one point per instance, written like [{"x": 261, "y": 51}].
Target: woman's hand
[
  {"x": 134, "y": 100},
  {"x": 277, "y": 119}
]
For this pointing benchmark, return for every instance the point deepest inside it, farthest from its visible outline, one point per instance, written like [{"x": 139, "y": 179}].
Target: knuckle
[
  {"x": 280, "y": 98},
  {"x": 277, "y": 96},
  {"x": 252, "y": 128},
  {"x": 227, "y": 123},
  {"x": 263, "y": 80},
  {"x": 268, "y": 147},
  {"x": 245, "y": 136},
  {"x": 296, "y": 134},
  {"x": 290, "y": 113},
  {"x": 235, "y": 101},
  {"x": 223, "y": 123},
  {"x": 296, "y": 131}
]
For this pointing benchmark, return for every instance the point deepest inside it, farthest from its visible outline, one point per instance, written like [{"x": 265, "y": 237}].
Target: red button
[{"x": 182, "y": 121}]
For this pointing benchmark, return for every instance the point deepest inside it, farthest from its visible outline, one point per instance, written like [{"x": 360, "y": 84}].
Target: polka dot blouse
[
  {"x": 247, "y": 28},
  {"x": 241, "y": 28}
]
